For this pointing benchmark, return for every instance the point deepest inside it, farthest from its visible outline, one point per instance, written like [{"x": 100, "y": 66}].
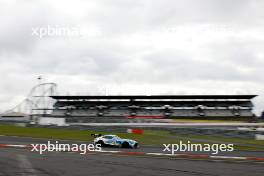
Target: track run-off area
[{"x": 17, "y": 159}]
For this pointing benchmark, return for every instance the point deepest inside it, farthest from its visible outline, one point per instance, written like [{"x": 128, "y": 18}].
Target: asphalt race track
[
  {"x": 157, "y": 149},
  {"x": 24, "y": 162}
]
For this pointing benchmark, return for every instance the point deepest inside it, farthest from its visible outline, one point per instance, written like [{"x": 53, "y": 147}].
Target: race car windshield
[{"x": 108, "y": 137}]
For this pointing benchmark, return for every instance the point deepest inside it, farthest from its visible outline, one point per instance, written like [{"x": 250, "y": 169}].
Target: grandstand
[{"x": 153, "y": 106}]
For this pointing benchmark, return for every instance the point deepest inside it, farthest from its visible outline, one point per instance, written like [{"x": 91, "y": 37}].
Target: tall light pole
[
  {"x": 42, "y": 93},
  {"x": 39, "y": 78}
]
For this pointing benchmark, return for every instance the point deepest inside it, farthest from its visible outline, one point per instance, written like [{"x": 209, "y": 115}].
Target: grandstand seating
[{"x": 164, "y": 106}]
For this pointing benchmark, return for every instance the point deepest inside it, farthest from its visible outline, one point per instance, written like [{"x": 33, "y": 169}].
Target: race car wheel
[
  {"x": 101, "y": 143},
  {"x": 125, "y": 145},
  {"x": 136, "y": 145}
]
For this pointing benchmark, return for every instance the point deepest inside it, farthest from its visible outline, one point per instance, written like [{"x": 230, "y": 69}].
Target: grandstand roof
[{"x": 71, "y": 97}]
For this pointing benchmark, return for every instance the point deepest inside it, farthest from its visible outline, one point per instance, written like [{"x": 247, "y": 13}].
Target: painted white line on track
[
  {"x": 109, "y": 151},
  {"x": 155, "y": 154},
  {"x": 160, "y": 154},
  {"x": 19, "y": 146},
  {"x": 228, "y": 157},
  {"x": 238, "y": 124}
]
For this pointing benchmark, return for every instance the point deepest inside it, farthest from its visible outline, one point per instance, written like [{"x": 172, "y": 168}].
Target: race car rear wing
[{"x": 96, "y": 135}]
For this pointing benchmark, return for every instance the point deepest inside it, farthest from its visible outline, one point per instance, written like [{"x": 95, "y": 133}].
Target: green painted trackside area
[{"x": 150, "y": 137}]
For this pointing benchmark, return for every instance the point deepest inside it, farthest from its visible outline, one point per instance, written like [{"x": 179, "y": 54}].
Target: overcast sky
[{"x": 132, "y": 47}]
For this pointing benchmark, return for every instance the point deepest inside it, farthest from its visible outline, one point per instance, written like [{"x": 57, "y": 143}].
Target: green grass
[
  {"x": 227, "y": 139},
  {"x": 150, "y": 137},
  {"x": 45, "y": 133},
  {"x": 217, "y": 119},
  {"x": 203, "y": 121}
]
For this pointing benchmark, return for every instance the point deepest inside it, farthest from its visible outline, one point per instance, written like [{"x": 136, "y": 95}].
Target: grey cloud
[
  {"x": 239, "y": 52},
  {"x": 113, "y": 15},
  {"x": 109, "y": 58}
]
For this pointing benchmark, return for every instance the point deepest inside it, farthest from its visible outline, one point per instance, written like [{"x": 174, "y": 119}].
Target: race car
[{"x": 115, "y": 141}]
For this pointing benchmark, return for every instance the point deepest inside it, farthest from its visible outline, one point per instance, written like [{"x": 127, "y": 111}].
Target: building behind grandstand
[{"x": 153, "y": 106}]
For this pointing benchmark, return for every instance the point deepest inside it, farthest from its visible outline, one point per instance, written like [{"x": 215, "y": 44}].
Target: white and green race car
[{"x": 114, "y": 140}]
